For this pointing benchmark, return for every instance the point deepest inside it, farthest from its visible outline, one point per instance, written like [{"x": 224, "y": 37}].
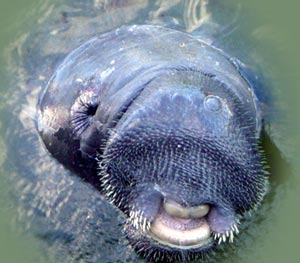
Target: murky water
[{"x": 35, "y": 35}]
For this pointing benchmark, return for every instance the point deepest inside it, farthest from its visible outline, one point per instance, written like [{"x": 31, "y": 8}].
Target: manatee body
[{"x": 166, "y": 127}]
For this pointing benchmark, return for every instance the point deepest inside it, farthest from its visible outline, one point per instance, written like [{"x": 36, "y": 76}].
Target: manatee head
[
  {"x": 167, "y": 128},
  {"x": 183, "y": 164}
]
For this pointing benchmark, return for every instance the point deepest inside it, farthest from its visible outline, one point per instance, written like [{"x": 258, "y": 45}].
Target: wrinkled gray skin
[
  {"x": 143, "y": 114},
  {"x": 181, "y": 127}
]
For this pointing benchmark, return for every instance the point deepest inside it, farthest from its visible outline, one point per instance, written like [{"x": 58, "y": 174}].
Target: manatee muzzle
[
  {"x": 180, "y": 188},
  {"x": 181, "y": 164}
]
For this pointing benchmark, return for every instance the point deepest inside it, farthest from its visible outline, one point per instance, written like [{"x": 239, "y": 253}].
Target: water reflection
[{"x": 195, "y": 14}]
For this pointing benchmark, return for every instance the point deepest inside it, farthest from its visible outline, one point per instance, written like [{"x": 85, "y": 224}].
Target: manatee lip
[
  {"x": 181, "y": 227},
  {"x": 194, "y": 212}
]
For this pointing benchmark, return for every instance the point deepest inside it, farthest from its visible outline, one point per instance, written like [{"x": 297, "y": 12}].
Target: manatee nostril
[
  {"x": 213, "y": 103},
  {"x": 176, "y": 210}
]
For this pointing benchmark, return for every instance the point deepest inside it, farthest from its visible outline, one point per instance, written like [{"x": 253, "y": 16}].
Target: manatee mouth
[{"x": 181, "y": 227}]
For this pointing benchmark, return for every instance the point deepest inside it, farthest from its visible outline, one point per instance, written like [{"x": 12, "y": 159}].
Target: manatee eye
[
  {"x": 82, "y": 111},
  {"x": 213, "y": 103},
  {"x": 91, "y": 109}
]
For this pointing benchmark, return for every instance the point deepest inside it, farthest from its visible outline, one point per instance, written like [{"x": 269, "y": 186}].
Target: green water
[
  {"x": 14, "y": 247},
  {"x": 279, "y": 32}
]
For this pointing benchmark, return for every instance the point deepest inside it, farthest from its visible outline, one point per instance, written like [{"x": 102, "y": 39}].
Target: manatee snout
[
  {"x": 182, "y": 187},
  {"x": 167, "y": 132}
]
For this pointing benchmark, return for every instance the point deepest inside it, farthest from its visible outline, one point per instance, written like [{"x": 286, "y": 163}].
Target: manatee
[
  {"x": 140, "y": 130},
  {"x": 166, "y": 127}
]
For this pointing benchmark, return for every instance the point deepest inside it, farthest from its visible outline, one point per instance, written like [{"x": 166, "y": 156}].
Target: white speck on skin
[
  {"x": 132, "y": 28},
  {"x": 228, "y": 110},
  {"x": 53, "y": 32},
  {"x": 112, "y": 62},
  {"x": 175, "y": 21},
  {"x": 104, "y": 74},
  {"x": 79, "y": 80}
]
